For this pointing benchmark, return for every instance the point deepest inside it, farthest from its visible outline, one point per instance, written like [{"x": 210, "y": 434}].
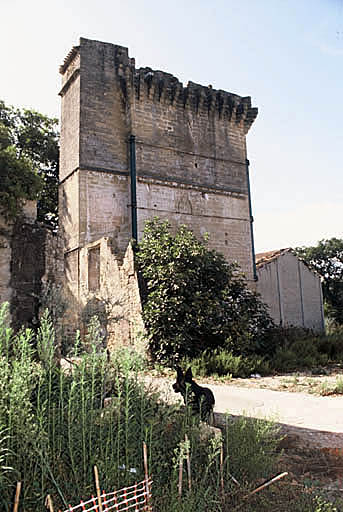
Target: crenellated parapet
[
  {"x": 164, "y": 88},
  {"x": 74, "y": 52}
]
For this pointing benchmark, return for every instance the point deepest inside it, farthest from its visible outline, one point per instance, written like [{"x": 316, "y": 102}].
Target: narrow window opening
[{"x": 94, "y": 269}]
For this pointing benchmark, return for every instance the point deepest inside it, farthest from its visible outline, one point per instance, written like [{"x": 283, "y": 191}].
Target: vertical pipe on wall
[
  {"x": 132, "y": 143},
  {"x": 251, "y": 222},
  {"x": 321, "y": 303},
  {"x": 279, "y": 292},
  {"x": 301, "y": 294}
]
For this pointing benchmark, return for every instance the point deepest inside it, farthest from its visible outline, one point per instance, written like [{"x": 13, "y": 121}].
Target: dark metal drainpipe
[
  {"x": 251, "y": 223},
  {"x": 132, "y": 142}
]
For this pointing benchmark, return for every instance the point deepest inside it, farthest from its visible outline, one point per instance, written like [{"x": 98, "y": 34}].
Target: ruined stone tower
[{"x": 136, "y": 144}]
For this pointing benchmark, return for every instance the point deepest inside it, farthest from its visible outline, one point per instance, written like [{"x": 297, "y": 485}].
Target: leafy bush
[
  {"x": 298, "y": 348},
  {"x": 223, "y": 363},
  {"x": 254, "y": 441},
  {"x": 303, "y": 353},
  {"x": 332, "y": 344},
  {"x": 194, "y": 299}
]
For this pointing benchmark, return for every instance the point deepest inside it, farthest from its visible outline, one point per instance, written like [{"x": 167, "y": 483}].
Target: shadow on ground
[{"x": 309, "y": 454}]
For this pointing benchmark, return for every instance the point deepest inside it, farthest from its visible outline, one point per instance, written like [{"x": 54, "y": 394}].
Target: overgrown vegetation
[
  {"x": 295, "y": 349},
  {"x": 301, "y": 349},
  {"x": 198, "y": 309},
  {"x": 54, "y": 428},
  {"x": 29, "y": 161},
  {"x": 223, "y": 363},
  {"x": 335, "y": 388},
  {"x": 195, "y": 300}
]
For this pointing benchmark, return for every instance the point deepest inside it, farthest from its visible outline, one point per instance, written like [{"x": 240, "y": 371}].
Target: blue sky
[{"x": 286, "y": 54}]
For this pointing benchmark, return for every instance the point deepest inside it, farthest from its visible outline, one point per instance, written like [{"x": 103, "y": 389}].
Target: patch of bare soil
[{"x": 313, "y": 460}]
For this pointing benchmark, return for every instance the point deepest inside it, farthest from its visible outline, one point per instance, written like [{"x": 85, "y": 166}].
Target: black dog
[{"x": 200, "y": 399}]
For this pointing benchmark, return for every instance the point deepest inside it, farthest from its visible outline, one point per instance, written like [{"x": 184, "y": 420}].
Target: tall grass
[{"x": 54, "y": 428}]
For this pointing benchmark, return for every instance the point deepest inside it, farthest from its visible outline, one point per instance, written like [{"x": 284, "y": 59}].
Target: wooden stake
[
  {"x": 258, "y": 489},
  {"x": 188, "y": 465},
  {"x": 222, "y": 470},
  {"x": 16, "y": 499},
  {"x": 145, "y": 459},
  {"x": 146, "y": 473},
  {"x": 49, "y": 504},
  {"x": 266, "y": 484},
  {"x": 180, "y": 476},
  {"x": 97, "y": 485}
]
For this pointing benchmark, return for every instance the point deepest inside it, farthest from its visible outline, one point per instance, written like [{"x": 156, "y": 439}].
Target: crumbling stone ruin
[
  {"x": 136, "y": 143},
  {"x": 30, "y": 258}
]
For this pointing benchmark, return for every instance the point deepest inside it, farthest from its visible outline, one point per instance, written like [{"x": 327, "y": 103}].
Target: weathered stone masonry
[
  {"x": 190, "y": 158},
  {"x": 30, "y": 258}
]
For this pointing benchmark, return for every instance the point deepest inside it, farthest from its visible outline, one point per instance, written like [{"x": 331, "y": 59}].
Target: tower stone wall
[{"x": 191, "y": 161}]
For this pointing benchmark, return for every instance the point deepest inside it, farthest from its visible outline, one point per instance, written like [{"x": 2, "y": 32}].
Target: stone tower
[{"x": 136, "y": 144}]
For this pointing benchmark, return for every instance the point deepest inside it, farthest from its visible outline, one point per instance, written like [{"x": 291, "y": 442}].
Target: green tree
[
  {"x": 194, "y": 299},
  {"x": 29, "y": 162},
  {"x": 326, "y": 258},
  {"x": 18, "y": 179}
]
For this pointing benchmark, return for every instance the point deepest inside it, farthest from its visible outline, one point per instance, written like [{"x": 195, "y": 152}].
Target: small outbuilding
[{"x": 290, "y": 289}]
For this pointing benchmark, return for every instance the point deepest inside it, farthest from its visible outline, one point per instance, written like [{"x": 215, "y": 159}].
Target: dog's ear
[
  {"x": 188, "y": 375},
  {"x": 179, "y": 372}
]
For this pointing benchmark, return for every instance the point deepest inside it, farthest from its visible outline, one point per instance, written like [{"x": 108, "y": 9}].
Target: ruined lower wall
[
  {"x": 27, "y": 270},
  {"x": 109, "y": 288},
  {"x": 30, "y": 260}
]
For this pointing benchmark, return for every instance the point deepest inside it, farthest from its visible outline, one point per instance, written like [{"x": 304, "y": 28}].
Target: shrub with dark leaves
[{"x": 194, "y": 299}]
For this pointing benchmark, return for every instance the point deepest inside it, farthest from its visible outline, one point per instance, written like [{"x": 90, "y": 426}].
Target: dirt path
[
  {"x": 311, "y": 426},
  {"x": 294, "y": 409}
]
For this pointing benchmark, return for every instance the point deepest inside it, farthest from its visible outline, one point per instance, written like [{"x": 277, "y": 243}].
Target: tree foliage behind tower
[
  {"x": 326, "y": 258},
  {"x": 194, "y": 299},
  {"x": 29, "y": 160}
]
